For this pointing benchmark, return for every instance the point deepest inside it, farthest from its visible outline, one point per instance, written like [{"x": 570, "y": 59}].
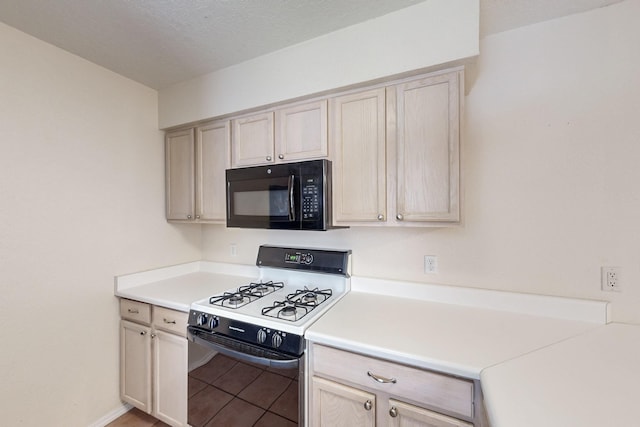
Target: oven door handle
[
  {"x": 292, "y": 207},
  {"x": 294, "y": 362}
]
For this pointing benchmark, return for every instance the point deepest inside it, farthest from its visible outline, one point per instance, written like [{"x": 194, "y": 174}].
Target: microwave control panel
[{"x": 311, "y": 198}]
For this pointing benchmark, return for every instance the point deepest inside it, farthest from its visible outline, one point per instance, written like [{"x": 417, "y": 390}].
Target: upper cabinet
[
  {"x": 396, "y": 153},
  {"x": 180, "y": 175},
  {"x": 252, "y": 141},
  {"x": 359, "y": 159},
  {"x": 426, "y": 135},
  {"x": 196, "y": 160},
  {"x": 212, "y": 159},
  {"x": 395, "y": 149},
  {"x": 297, "y": 132},
  {"x": 301, "y": 132}
]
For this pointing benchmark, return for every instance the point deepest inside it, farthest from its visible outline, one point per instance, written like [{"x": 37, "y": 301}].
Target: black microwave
[{"x": 288, "y": 196}]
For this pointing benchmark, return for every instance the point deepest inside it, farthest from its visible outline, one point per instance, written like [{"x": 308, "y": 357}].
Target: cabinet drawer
[
  {"x": 432, "y": 389},
  {"x": 135, "y": 310},
  {"x": 170, "y": 320}
]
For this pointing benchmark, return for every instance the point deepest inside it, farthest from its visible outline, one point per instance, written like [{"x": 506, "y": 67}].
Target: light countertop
[
  {"x": 450, "y": 338},
  {"x": 590, "y": 380},
  {"x": 178, "y": 286}
]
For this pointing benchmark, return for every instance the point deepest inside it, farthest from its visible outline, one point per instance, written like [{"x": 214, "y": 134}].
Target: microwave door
[{"x": 262, "y": 203}]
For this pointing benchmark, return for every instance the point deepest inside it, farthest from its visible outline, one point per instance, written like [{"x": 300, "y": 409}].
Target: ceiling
[{"x": 161, "y": 42}]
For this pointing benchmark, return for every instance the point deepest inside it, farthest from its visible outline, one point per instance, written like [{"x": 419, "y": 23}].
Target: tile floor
[{"x": 228, "y": 393}]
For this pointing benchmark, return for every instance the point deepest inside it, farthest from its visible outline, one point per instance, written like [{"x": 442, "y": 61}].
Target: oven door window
[{"x": 264, "y": 202}]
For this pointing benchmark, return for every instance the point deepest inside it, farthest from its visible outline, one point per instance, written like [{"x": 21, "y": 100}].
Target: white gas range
[{"x": 267, "y": 318}]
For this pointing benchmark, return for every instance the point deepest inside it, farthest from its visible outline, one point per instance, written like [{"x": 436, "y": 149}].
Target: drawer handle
[
  {"x": 382, "y": 380},
  {"x": 133, "y": 310},
  {"x": 368, "y": 405},
  {"x": 393, "y": 412},
  {"x": 169, "y": 321}
]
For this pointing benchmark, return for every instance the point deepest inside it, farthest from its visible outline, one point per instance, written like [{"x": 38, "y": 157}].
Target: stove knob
[
  {"x": 276, "y": 340},
  {"x": 202, "y": 319},
  {"x": 262, "y": 336},
  {"x": 213, "y": 322}
]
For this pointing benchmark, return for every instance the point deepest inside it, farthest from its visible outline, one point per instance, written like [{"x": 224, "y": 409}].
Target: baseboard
[{"x": 111, "y": 416}]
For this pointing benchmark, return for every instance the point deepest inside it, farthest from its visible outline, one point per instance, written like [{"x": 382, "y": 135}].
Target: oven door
[{"x": 235, "y": 383}]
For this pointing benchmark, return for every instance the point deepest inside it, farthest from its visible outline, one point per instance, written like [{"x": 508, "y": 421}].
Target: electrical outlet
[
  {"x": 611, "y": 279},
  {"x": 430, "y": 264}
]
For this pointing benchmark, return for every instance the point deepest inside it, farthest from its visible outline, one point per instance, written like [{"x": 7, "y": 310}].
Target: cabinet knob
[
  {"x": 143, "y": 333},
  {"x": 197, "y": 216},
  {"x": 268, "y": 158},
  {"x": 393, "y": 412},
  {"x": 153, "y": 335},
  {"x": 399, "y": 217},
  {"x": 380, "y": 217},
  {"x": 368, "y": 405},
  {"x": 281, "y": 156},
  {"x": 188, "y": 216}
]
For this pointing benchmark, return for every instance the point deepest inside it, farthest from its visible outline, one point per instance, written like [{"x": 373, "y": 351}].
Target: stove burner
[
  {"x": 287, "y": 311},
  {"x": 236, "y": 299},
  {"x": 309, "y": 297}
]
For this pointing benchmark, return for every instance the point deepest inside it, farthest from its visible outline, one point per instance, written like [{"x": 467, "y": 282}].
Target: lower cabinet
[
  {"x": 354, "y": 390},
  {"x": 153, "y": 360}
]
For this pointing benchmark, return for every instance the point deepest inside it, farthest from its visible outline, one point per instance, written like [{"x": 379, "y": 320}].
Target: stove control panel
[
  {"x": 247, "y": 332},
  {"x": 204, "y": 320}
]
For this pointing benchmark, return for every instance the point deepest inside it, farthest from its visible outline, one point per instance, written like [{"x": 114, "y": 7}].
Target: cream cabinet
[
  {"x": 350, "y": 389},
  {"x": 196, "y": 160},
  {"x": 153, "y": 360},
  {"x": 336, "y": 404},
  {"x": 396, "y": 153},
  {"x": 180, "y": 175},
  {"x": 290, "y": 133},
  {"x": 359, "y": 158},
  {"x": 425, "y": 139}
]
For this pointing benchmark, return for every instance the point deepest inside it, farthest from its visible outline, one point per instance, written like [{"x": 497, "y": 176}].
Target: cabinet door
[
  {"x": 337, "y": 405},
  {"x": 135, "y": 365},
  {"x": 404, "y": 415},
  {"x": 301, "y": 132},
  {"x": 212, "y": 159},
  {"x": 170, "y": 371},
  {"x": 358, "y": 144},
  {"x": 428, "y": 141},
  {"x": 252, "y": 140},
  {"x": 179, "y": 175}
]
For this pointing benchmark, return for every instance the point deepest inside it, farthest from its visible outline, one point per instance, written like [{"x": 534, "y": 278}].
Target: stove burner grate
[
  {"x": 245, "y": 294},
  {"x": 297, "y": 304},
  {"x": 261, "y": 288},
  {"x": 287, "y": 310},
  {"x": 310, "y": 297}
]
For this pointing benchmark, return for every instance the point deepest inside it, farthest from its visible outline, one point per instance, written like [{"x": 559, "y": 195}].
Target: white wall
[
  {"x": 81, "y": 200},
  {"x": 551, "y": 173},
  {"x": 427, "y": 34}
]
